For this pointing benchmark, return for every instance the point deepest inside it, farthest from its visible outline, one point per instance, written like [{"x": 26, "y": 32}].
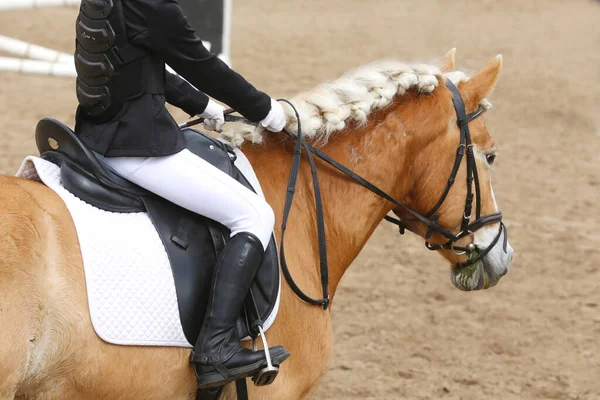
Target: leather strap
[
  {"x": 289, "y": 198},
  {"x": 252, "y": 317},
  {"x": 202, "y": 358},
  {"x": 209, "y": 394},
  {"x": 241, "y": 389},
  {"x": 365, "y": 183}
]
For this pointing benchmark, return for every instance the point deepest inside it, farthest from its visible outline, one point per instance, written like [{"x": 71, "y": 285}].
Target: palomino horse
[{"x": 393, "y": 124}]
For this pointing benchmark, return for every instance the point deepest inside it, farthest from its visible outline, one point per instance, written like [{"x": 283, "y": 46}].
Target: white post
[{"x": 226, "y": 55}]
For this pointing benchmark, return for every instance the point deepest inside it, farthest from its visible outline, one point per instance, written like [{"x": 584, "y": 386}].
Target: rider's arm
[
  {"x": 181, "y": 94},
  {"x": 171, "y": 36}
]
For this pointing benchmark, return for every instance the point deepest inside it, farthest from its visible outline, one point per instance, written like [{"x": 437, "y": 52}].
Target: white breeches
[{"x": 190, "y": 182}]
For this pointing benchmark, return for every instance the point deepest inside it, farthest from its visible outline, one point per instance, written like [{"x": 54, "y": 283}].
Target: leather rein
[{"x": 430, "y": 218}]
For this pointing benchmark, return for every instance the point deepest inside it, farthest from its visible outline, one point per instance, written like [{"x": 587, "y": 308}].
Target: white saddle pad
[{"x": 131, "y": 292}]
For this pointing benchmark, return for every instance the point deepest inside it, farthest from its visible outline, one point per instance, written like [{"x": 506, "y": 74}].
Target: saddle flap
[{"x": 83, "y": 185}]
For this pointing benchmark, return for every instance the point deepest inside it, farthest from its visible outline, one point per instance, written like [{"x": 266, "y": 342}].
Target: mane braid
[{"x": 331, "y": 106}]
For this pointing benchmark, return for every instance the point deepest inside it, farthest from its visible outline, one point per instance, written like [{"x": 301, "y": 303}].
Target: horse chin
[{"x": 474, "y": 277}]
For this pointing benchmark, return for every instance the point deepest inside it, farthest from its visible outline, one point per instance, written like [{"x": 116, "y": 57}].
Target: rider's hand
[
  {"x": 275, "y": 119},
  {"x": 213, "y": 116}
]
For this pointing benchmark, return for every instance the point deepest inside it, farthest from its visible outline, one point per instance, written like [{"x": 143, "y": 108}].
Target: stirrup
[{"x": 267, "y": 375}]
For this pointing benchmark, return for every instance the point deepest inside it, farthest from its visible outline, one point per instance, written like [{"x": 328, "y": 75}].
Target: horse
[{"x": 391, "y": 123}]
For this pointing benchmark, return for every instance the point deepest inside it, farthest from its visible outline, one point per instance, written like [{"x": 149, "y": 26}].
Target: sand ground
[{"x": 401, "y": 329}]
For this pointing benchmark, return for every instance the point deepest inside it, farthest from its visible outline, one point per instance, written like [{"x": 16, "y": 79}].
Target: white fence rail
[
  {"x": 37, "y": 67},
  {"x": 35, "y": 59},
  {"x": 6, "y": 5},
  {"x": 23, "y": 49}
]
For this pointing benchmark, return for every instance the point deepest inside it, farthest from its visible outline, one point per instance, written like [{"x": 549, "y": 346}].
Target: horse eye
[{"x": 490, "y": 158}]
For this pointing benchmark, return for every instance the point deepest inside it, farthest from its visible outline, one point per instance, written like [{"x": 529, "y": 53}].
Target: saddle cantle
[{"x": 192, "y": 242}]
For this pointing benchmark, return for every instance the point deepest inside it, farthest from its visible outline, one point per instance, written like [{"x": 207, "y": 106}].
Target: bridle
[
  {"x": 467, "y": 228},
  {"x": 429, "y": 219}
]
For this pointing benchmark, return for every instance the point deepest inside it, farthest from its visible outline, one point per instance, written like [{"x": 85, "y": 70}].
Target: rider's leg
[{"x": 193, "y": 183}]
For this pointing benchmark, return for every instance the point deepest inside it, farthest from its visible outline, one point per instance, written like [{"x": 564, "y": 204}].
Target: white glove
[
  {"x": 275, "y": 119},
  {"x": 213, "y": 116}
]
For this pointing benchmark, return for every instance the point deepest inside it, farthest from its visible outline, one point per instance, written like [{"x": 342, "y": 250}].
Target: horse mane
[{"x": 332, "y": 106}]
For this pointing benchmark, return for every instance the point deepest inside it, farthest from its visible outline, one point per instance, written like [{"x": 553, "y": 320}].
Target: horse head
[{"x": 479, "y": 252}]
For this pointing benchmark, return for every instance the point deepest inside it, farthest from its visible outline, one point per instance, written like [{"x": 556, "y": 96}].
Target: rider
[{"x": 122, "y": 48}]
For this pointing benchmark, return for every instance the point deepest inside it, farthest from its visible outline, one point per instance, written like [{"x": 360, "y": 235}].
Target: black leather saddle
[{"x": 192, "y": 242}]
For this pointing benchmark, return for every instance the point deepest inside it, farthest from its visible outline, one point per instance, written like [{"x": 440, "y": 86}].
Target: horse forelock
[{"x": 333, "y": 106}]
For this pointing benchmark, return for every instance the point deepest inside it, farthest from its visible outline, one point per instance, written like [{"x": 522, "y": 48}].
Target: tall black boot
[{"x": 218, "y": 356}]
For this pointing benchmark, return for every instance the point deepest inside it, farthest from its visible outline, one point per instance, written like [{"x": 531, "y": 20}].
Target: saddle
[{"x": 192, "y": 242}]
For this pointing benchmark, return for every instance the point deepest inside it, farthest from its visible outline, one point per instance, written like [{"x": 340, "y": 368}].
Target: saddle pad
[{"x": 131, "y": 292}]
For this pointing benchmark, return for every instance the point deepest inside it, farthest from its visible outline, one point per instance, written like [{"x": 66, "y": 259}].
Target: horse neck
[{"x": 378, "y": 152}]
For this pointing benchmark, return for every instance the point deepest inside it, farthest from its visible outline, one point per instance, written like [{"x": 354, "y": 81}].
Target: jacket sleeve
[
  {"x": 181, "y": 94},
  {"x": 171, "y": 36}
]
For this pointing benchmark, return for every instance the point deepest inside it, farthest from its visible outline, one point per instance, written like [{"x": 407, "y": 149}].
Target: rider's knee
[
  {"x": 258, "y": 220},
  {"x": 265, "y": 220},
  {"x": 268, "y": 216}
]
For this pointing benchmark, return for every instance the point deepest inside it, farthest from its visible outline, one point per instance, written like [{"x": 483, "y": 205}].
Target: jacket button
[{"x": 203, "y": 359}]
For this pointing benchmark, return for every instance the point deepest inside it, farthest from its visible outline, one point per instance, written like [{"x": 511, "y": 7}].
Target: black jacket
[{"x": 143, "y": 127}]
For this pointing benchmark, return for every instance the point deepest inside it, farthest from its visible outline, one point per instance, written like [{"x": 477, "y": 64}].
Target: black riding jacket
[{"x": 142, "y": 126}]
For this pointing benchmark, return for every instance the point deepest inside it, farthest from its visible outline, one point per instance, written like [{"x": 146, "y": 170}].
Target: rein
[{"x": 467, "y": 227}]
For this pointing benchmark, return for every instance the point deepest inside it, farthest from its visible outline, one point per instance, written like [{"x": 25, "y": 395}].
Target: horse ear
[
  {"x": 480, "y": 86},
  {"x": 448, "y": 63}
]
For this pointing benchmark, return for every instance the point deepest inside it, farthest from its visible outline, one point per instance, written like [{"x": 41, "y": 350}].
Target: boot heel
[{"x": 267, "y": 375}]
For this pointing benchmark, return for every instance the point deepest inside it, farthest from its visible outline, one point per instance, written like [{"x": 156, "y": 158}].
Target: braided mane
[{"x": 331, "y": 106}]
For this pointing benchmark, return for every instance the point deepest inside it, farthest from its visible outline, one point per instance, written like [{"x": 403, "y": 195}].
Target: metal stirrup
[{"x": 267, "y": 375}]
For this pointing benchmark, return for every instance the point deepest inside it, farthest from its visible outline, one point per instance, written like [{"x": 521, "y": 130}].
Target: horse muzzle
[{"x": 485, "y": 273}]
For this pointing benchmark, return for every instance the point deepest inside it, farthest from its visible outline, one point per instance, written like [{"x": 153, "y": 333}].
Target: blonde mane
[{"x": 331, "y": 106}]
